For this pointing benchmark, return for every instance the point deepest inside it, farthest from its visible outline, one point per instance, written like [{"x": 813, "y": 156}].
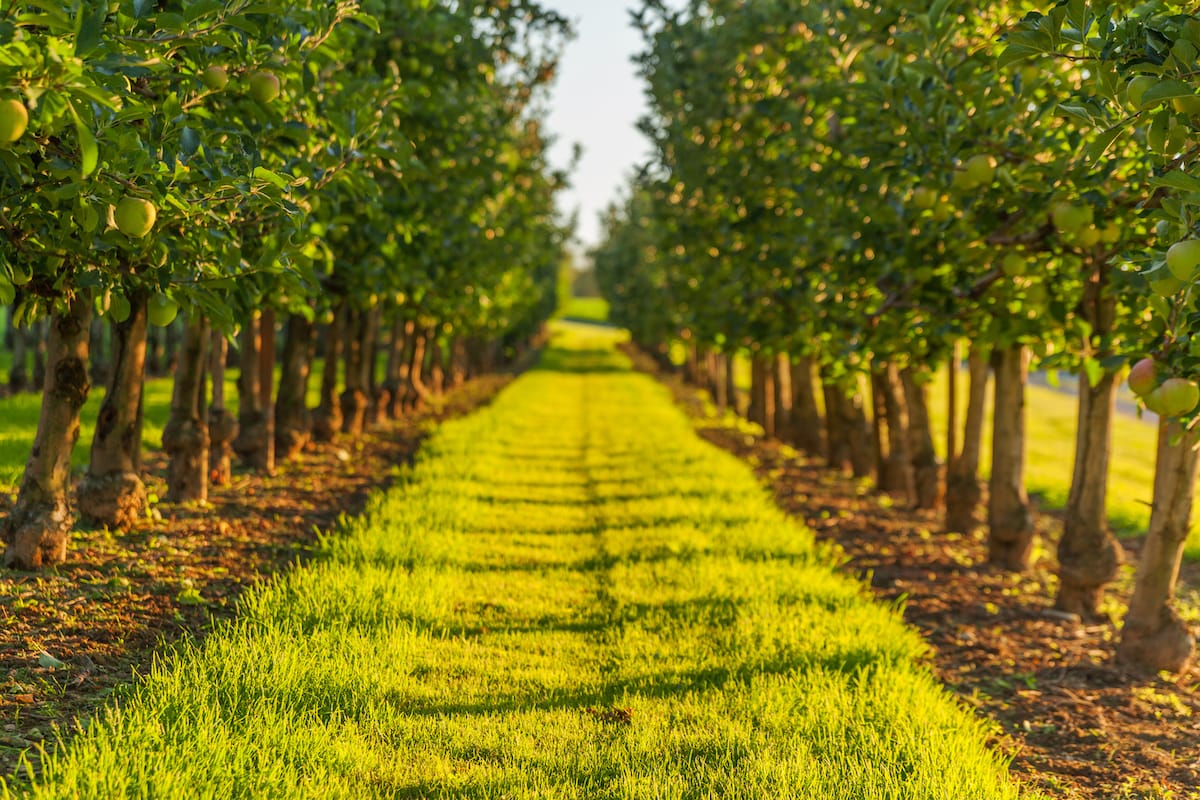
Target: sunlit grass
[
  {"x": 585, "y": 309},
  {"x": 568, "y": 596}
]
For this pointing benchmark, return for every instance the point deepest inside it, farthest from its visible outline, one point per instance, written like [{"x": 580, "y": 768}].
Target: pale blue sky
[{"x": 597, "y": 101}]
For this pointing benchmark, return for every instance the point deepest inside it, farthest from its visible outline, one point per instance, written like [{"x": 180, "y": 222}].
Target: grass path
[{"x": 570, "y": 596}]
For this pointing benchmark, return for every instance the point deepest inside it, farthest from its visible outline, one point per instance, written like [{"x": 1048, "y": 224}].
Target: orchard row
[
  {"x": 851, "y": 191},
  {"x": 372, "y": 171}
]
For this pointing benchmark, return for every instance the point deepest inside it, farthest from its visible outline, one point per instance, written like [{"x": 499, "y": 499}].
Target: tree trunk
[
  {"x": 222, "y": 427},
  {"x": 963, "y": 489},
  {"x": 1154, "y": 637},
  {"x": 327, "y": 420},
  {"x": 806, "y": 423},
  {"x": 186, "y": 437},
  {"x": 1089, "y": 556},
  {"x": 377, "y": 400},
  {"x": 720, "y": 390},
  {"x": 39, "y": 524},
  {"x": 402, "y": 348},
  {"x": 849, "y": 431},
  {"x": 354, "y": 398},
  {"x": 1010, "y": 518},
  {"x": 293, "y": 423},
  {"x": 112, "y": 492},
  {"x": 436, "y": 376},
  {"x": 254, "y": 443},
  {"x": 927, "y": 470},
  {"x": 762, "y": 394},
  {"x": 782, "y": 382},
  {"x": 731, "y": 391},
  {"x": 393, "y": 372},
  {"x": 415, "y": 391},
  {"x": 897, "y": 470}
]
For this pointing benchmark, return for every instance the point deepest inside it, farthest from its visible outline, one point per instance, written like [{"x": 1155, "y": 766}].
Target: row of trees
[
  {"x": 372, "y": 171},
  {"x": 852, "y": 193}
]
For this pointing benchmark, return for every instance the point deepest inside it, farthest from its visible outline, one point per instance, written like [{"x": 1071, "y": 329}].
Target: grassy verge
[{"x": 570, "y": 596}]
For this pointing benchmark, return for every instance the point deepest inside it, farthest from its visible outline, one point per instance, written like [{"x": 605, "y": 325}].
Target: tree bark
[
  {"x": 896, "y": 475},
  {"x": 354, "y": 397},
  {"x": 186, "y": 437},
  {"x": 1089, "y": 556},
  {"x": 1155, "y": 637},
  {"x": 254, "y": 443},
  {"x": 293, "y": 422},
  {"x": 402, "y": 346},
  {"x": 1010, "y": 517},
  {"x": 781, "y": 380},
  {"x": 327, "y": 420},
  {"x": 762, "y": 394},
  {"x": 222, "y": 427},
  {"x": 415, "y": 391},
  {"x": 731, "y": 391},
  {"x": 38, "y": 526},
  {"x": 806, "y": 422},
  {"x": 927, "y": 469},
  {"x": 963, "y": 489},
  {"x": 436, "y": 375},
  {"x": 849, "y": 430},
  {"x": 720, "y": 390},
  {"x": 112, "y": 492}
]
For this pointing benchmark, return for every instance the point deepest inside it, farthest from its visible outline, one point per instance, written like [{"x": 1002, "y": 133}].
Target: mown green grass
[
  {"x": 568, "y": 596},
  {"x": 585, "y": 309}
]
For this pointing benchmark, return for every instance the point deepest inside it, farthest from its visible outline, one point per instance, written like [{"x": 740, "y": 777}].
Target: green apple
[
  {"x": 1166, "y": 287},
  {"x": 1179, "y": 396},
  {"x": 1136, "y": 89},
  {"x": 1156, "y": 402},
  {"x": 215, "y": 78},
  {"x": 264, "y": 86},
  {"x": 1070, "y": 219},
  {"x": 1014, "y": 265},
  {"x": 161, "y": 310},
  {"x": 1088, "y": 237},
  {"x": 943, "y": 212},
  {"x": 924, "y": 198},
  {"x": 1183, "y": 258},
  {"x": 980, "y": 169},
  {"x": 14, "y": 118},
  {"x": 1110, "y": 233},
  {"x": 135, "y": 217},
  {"x": 1143, "y": 377}
]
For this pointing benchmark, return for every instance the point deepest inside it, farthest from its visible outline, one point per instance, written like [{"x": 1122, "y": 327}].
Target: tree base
[
  {"x": 963, "y": 497},
  {"x": 37, "y": 535},
  {"x": 1168, "y": 646},
  {"x": 117, "y": 500}
]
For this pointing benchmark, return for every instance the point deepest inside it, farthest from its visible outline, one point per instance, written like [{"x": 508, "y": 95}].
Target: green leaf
[
  {"x": 1099, "y": 146},
  {"x": 189, "y": 141},
  {"x": 1177, "y": 179},
  {"x": 48, "y": 661},
  {"x": 264, "y": 174},
  {"x": 89, "y": 151},
  {"x": 1165, "y": 90},
  {"x": 90, "y": 26}
]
